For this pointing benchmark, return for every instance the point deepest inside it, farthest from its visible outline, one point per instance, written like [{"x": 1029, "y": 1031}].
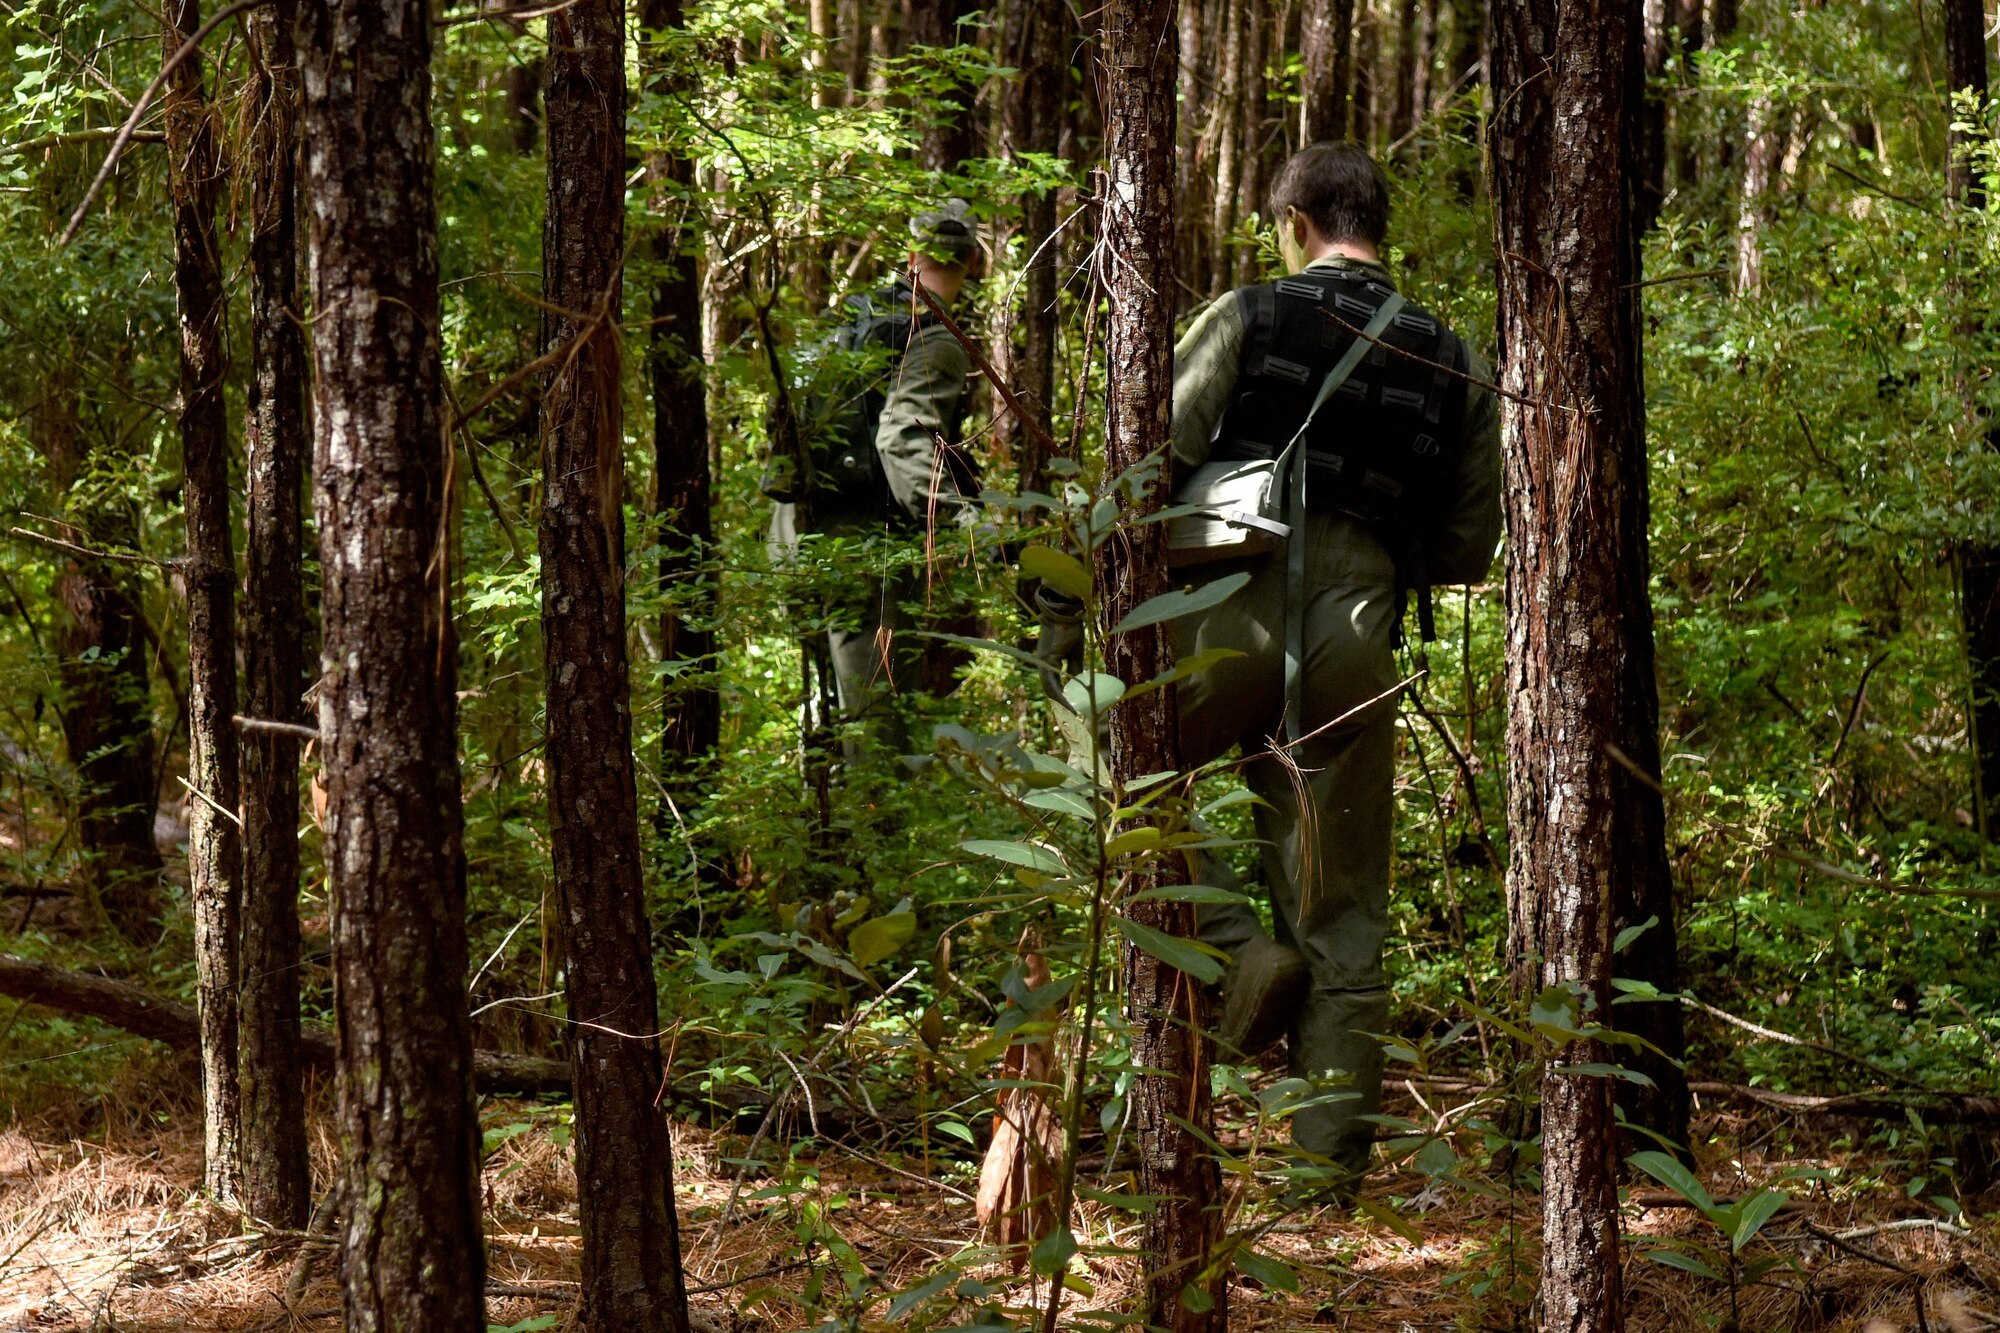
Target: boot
[{"x": 1261, "y": 995}]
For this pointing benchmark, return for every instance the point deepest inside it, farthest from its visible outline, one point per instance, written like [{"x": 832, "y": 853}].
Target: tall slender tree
[
  {"x": 208, "y": 574},
  {"x": 1585, "y": 816},
  {"x": 1034, "y": 41},
  {"x": 1978, "y": 562},
  {"x": 624, "y": 1156},
  {"x": 682, "y": 485},
  {"x": 411, "y": 1250},
  {"x": 1326, "y": 51},
  {"x": 277, "y": 1185},
  {"x": 1169, "y": 1098}
]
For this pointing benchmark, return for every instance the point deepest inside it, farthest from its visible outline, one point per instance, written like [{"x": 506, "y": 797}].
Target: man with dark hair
[
  {"x": 881, "y": 409},
  {"x": 1364, "y": 435}
]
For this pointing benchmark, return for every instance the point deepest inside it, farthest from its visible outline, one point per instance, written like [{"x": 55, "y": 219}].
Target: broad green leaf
[
  {"x": 1061, "y": 801},
  {"x": 1631, "y": 933},
  {"x": 1190, "y": 956},
  {"x": 1059, "y": 569},
  {"x": 872, "y": 941},
  {"x": 1669, "y": 1172},
  {"x": 1032, "y": 855},
  {"x": 1053, "y": 1251},
  {"x": 1190, "y": 893},
  {"x": 956, "y": 1130},
  {"x": 1687, "y": 1263},
  {"x": 1753, "y": 1213},
  {"x": 1272, "y": 1273},
  {"x": 1020, "y": 655},
  {"x": 1093, "y": 692},
  {"x": 1435, "y": 1158},
  {"x": 1594, "y": 1069},
  {"x": 1141, "y": 839},
  {"x": 1181, "y": 602},
  {"x": 1181, "y": 670}
]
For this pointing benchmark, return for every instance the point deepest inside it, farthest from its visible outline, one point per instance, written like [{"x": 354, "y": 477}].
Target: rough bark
[
  {"x": 1223, "y": 141},
  {"x": 1586, "y": 834},
  {"x": 1164, "y": 1007},
  {"x": 682, "y": 486},
  {"x": 1035, "y": 42},
  {"x": 102, "y": 649},
  {"x": 1258, "y": 141},
  {"x": 208, "y": 575},
  {"x": 1326, "y": 36},
  {"x": 624, "y": 1157},
  {"x": 277, "y": 1183},
  {"x": 409, "y": 1128}
]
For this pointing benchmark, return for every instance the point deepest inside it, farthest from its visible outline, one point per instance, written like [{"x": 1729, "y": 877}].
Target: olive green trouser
[
  {"x": 876, "y": 656},
  {"x": 1327, "y": 816}
]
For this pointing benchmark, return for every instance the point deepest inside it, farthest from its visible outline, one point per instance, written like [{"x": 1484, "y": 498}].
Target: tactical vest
[
  {"x": 840, "y": 400},
  {"x": 1384, "y": 450}
]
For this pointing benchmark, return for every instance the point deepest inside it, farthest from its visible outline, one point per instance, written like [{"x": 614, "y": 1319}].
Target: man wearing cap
[
  {"x": 1393, "y": 486},
  {"x": 905, "y": 476}
]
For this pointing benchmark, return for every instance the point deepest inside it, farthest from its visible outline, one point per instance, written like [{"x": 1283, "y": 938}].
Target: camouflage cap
[{"x": 948, "y": 233}]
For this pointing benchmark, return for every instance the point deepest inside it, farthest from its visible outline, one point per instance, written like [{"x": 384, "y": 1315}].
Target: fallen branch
[
  {"x": 171, "y": 1023},
  {"x": 1959, "y": 1108}
]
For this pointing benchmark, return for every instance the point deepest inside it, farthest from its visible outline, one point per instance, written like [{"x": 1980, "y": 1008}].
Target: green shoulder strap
[{"x": 1292, "y": 471}]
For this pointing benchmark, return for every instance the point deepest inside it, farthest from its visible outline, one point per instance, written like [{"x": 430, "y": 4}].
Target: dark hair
[{"x": 1339, "y": 189}]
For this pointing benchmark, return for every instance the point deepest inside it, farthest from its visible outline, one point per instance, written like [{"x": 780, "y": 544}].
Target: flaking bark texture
[
  {"x": 953, "y": 137},
  {"x": 277, "y": 1182},
  {"x": 1167, "y": 1010},
  {"x": 624, "y": 1157},
  {"x": 1586, "y": 832},
  {"x": 106, "y": 709},
  {"x": 412, "y": 1256},
  {"x": 209, "y": 576},
  {"x": 682, "y": 485},
  {"x": 1326, "y": 46}
]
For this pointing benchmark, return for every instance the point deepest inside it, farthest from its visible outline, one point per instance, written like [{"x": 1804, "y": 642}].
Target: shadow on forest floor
[{"x": 102, "y": 1237}]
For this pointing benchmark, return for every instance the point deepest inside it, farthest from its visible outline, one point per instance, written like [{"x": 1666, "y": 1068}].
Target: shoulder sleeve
[
  {"x": 1205, "y": 364},
  {"x": 924, "y": 391},
  {"x": 1461, "y": 547}
]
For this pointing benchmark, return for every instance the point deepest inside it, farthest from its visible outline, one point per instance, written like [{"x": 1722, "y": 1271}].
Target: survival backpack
[
  {"x": 1384, "y": 449},
  {"x": 840, "y": 386}
]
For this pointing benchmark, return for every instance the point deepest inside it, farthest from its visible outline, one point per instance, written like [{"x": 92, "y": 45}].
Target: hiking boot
[{"x": 1261, "y": 995}]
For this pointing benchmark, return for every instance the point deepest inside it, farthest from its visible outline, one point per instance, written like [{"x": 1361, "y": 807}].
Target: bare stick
[
  {"x": 978, "y": 357},
  {"x": 274, "y": 728}
]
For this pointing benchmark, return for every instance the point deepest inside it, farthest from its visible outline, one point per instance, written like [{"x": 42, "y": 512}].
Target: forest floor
[{"x": 110, "y": 1234}]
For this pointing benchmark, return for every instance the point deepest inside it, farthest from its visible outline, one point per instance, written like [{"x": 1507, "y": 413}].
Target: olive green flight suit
[
  {"x": 1328, "y": 813},
  {"x": 876, "y": 651}
]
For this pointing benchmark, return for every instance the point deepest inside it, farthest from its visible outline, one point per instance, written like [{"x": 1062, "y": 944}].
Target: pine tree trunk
[
  {"x": 682, "y": 487},
  {"x": 1585, "y": 833},
  {"x": 1403, "y": 115},
  {"x": 1326, "y": 36},
  {"x": 106, "y": 702},
  {"x": 277, "y": 1183},
  {"x": 209, "y": 576},
  {"x": 1223, "y": 137},
  {"x": 1979, "y": 564},
  {"x": 1364, "y": 112},
  {"x": 1035, "y": 42},
  {"x": 1656, "y": 16},
  {"x": 1255, "y": 152},
  {"x": 624, "y": 1156},
  {"x": 1165, "y": 1008},
  {"x": 1690, "y": 33},
  {"x": 412, "y": 1256}
]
